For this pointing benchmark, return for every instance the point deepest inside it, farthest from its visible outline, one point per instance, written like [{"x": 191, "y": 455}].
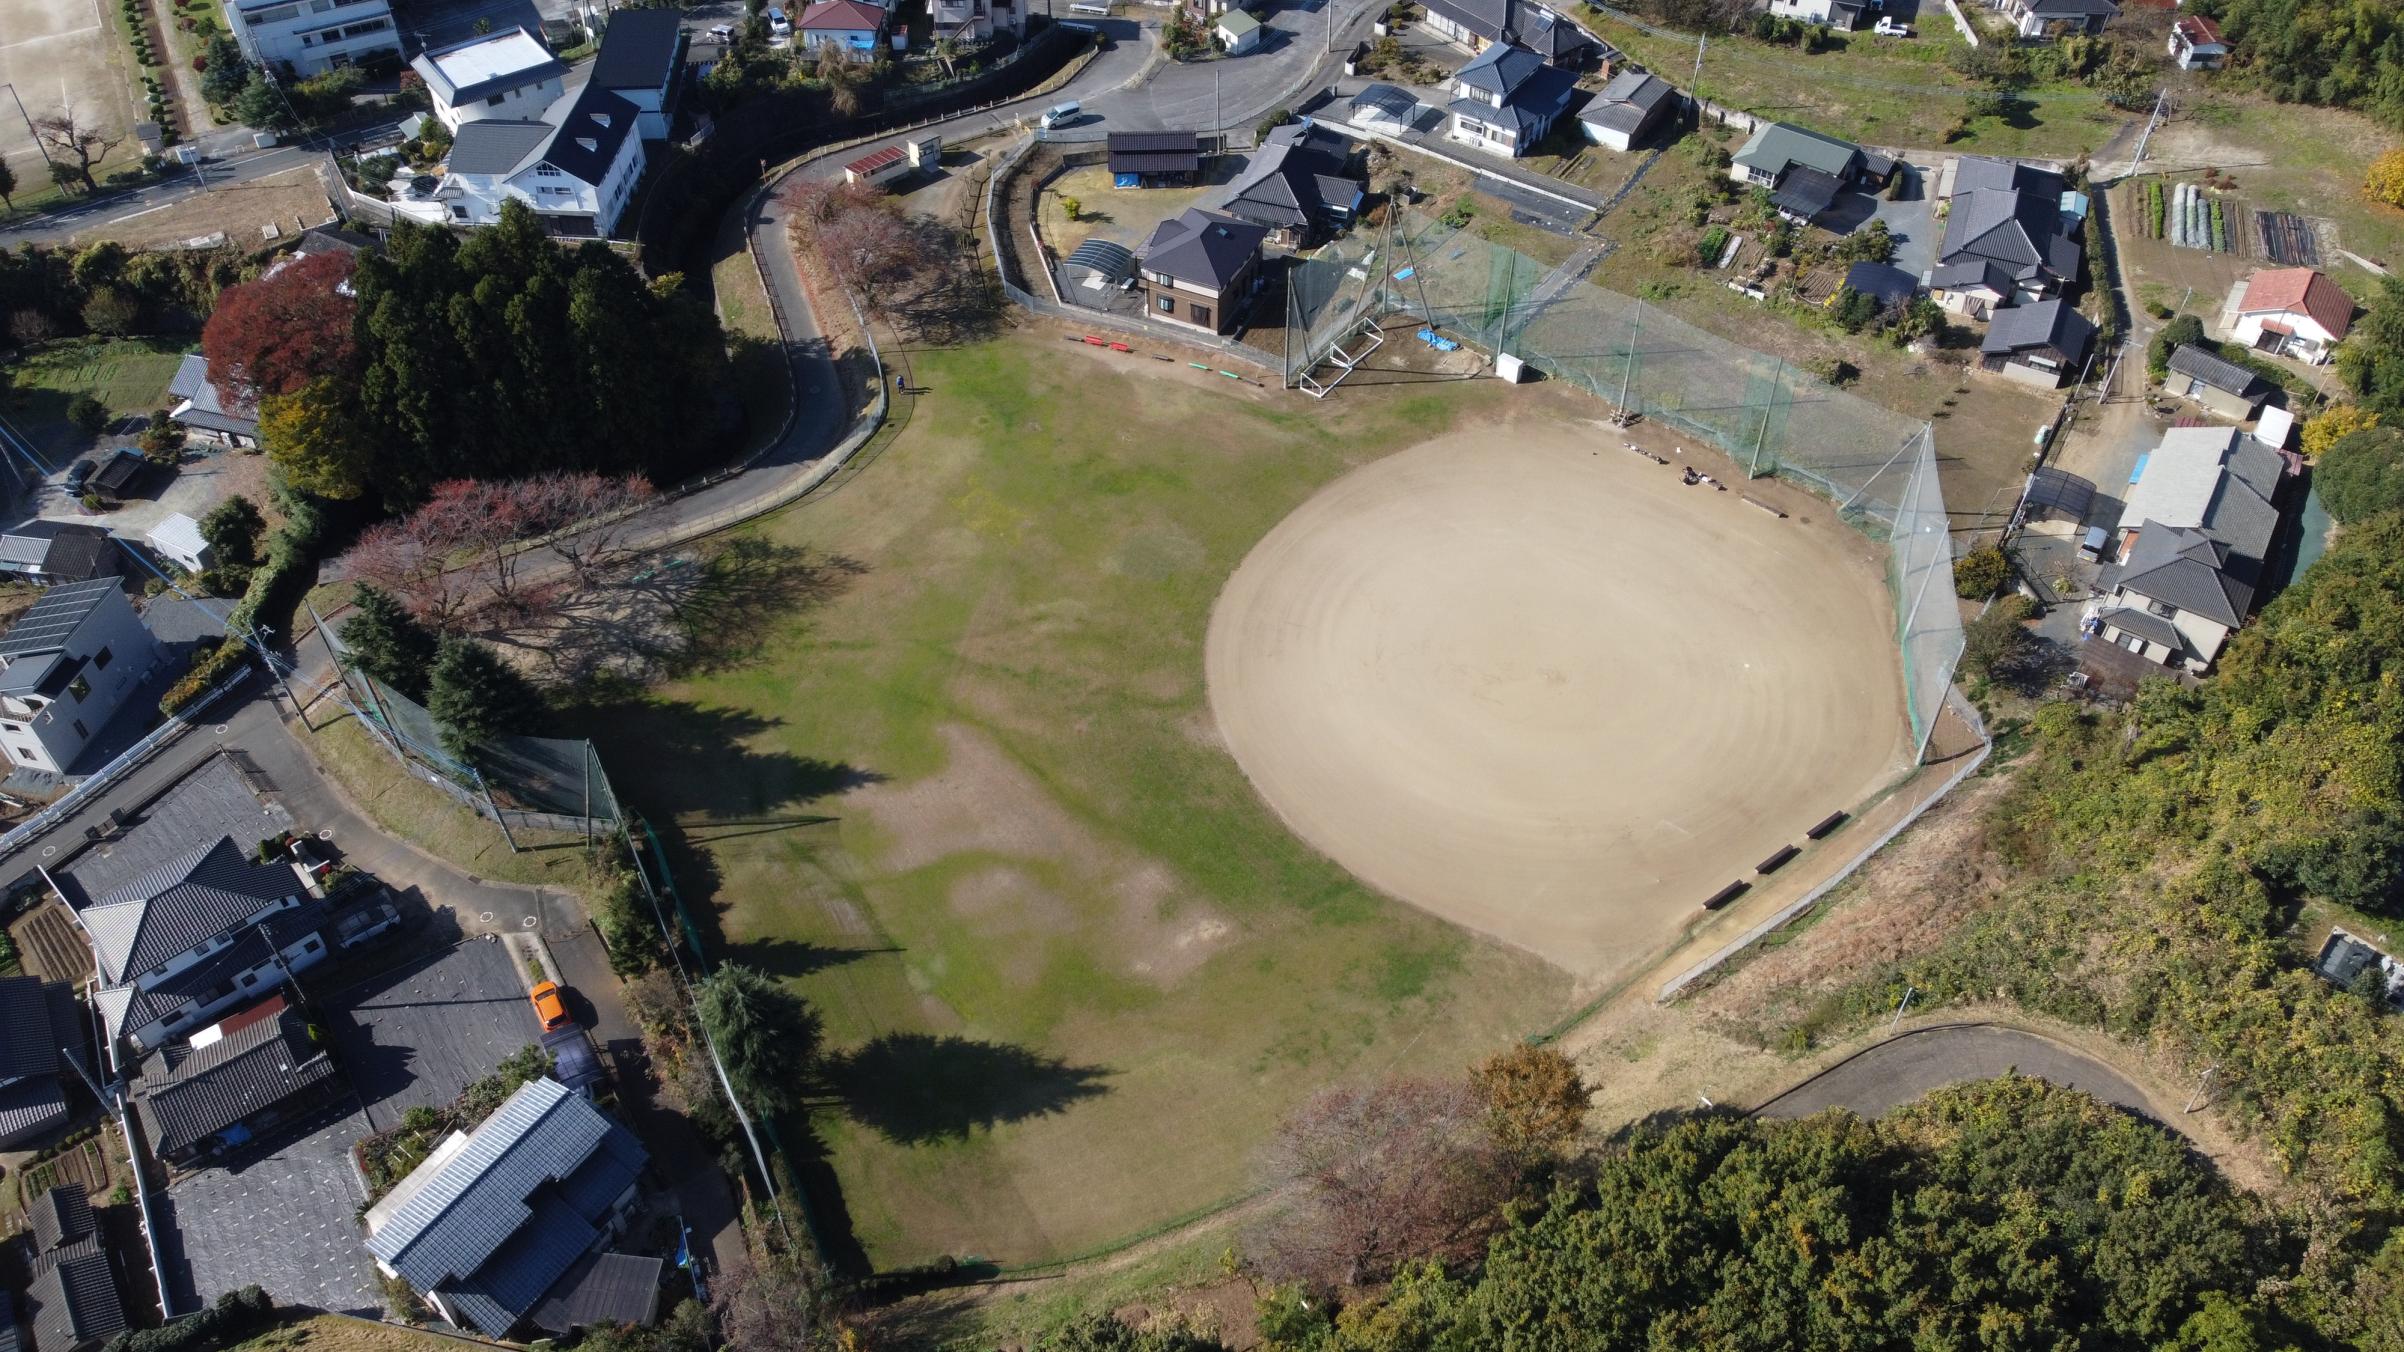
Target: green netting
[{"x": 1876, "y": 465}]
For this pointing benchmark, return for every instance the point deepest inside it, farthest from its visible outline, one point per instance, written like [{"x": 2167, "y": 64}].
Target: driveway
[
  {"x": 285, "y": 1218},
  {"x": 419, "y": 1034},
  {"x": 1902, "y": 1069}
]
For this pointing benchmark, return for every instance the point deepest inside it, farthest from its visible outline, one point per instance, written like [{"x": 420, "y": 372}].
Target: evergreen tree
[
  {"x": 389, "y": 644},
  {"x": 476, "y": 697},
  {"x": 232, "y": 529},
  {"x": 768, "y": 1037}
]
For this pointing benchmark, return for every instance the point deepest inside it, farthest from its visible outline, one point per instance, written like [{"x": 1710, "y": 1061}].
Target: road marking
[{"x": 143, "y": 212}]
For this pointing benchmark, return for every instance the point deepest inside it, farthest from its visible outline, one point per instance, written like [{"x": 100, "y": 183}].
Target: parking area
[
  {"x": 419, "y": 1034},
  {"x": 285, "y": 1218}
]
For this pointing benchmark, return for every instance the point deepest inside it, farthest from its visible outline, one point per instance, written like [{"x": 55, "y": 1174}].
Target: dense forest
[{"x": 2336, "y": 53}]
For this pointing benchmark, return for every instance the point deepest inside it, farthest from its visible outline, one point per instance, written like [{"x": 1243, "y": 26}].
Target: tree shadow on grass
[
  {"x": 795, "y": 958},
  {"x": 924, "y": 1089}
]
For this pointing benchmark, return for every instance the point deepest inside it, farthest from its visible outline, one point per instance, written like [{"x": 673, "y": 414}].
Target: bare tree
[
  {"x": 773, "y": 1304},
  {"x": 85, "y": 145},
  {"x": 1374, "y": 1175},
  {"x": 588, "y": 516}
]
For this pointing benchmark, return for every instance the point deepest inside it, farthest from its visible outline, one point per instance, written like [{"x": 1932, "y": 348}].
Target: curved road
[{"x": 1895, "y": 1072}]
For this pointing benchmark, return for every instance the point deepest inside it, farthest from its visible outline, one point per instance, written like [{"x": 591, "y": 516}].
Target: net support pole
[
  {"x": 1855, "y": 495},
  {"x": 1627, "y": 370},
  {"x": 585, "y": 763},
  {"x": 1761, "y": 438},
  {"x": 1903, "y": 638},
  {"x": 495, "y": 808}
]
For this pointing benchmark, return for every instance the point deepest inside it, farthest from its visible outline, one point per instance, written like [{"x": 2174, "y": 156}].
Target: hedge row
[
  {"x": 236, "y": 1315},
  {"x": 210, "y": 667}
]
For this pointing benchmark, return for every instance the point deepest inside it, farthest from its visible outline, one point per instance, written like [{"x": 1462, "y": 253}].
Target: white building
[
  {"x": 576, "y": 167},
  {"x": 2293, "y": 312},
  {"x": 66, "y": 667},
  {"x": 313, "y": 36},
  {"x": 177, "y": 539},
  {"x": 641, "y": 61},
  {"x": 2196, "y": 44},
  {"x": 977, "y": 20},
  {"x": 1844, "y": 14},
  {"x": 499, "y": 75}
]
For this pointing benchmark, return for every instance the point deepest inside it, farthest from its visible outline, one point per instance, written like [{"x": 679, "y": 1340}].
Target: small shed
[
  {"x": 2276, "y": 429},
  {"x": 118, "y": 474},
  {"x": 1238, "y": 32},
  {"x": 1098, "y": 265},
  {"x": 177, "y": 539},
  {"x": 1150, "y": 159},
  {"x": 926, "y": 152},
  {"x": 878, "y": 167},
  {"x": 2221, "y": 387},
  {"x": 2052, "y": 494},
  {"x": 1882, "y": 282}
]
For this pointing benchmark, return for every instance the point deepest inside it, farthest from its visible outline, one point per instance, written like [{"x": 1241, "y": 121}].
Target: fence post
[{"x": 494, "y": 808}]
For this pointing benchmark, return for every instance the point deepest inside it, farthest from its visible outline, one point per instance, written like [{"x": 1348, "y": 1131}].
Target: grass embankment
[
  {"x": 1875, "y": 91},
  {"x": 337, "y": 1333},
  {"x": 404, "y": 805},
  {"x": 973, "y": 805},
  {"x": 757, "y": 349},
  {"x": 127, "y": 376}
]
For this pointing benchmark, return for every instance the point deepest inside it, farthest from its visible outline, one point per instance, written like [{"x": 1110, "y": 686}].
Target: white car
[{"x": 1891, "y": 28}]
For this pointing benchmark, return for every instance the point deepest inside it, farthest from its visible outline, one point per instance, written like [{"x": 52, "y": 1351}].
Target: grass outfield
[{"x": 973, "y": 804}]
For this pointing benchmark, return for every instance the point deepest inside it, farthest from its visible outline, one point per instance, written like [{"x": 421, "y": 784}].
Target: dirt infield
[
  {"x": 56, "y": 52},
  {"x": 1540, "y": 687}
]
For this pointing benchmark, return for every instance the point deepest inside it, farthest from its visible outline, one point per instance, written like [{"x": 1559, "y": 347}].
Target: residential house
[
  {"x": 2346, "y": 962},
  {"x": 2042, "y": 344},
  {"x": 1627, "y": 109},
  {"x": 504, "y": 74},
  {"x": 195, "y": 935},
  {"x": 498, "y": 1216},
  {"x": 2008, "y": 239},
  {"x": 978, "y": 20},
  {"x": 1476, "y": 24},
  {"x": 849, "y": 26},
  {"x": 311, "y": 37},
  {"x": 641, "y": 61},
  {"x": 66, "y": 666},
  {"x": 42, "y": 1041},
  {"x": 1237, "y": 31},
  {"x": 47, "y": 553},
  {"x": 1507, "y": 99},
  {"x": 2206, "y": 508},
  {"x": 196, "y": 406},
  {"x": 72, "y": 1304},
  {"x": 1298, "y": 186},
  {"x": 233, "y": 1082},
  {"x": 2196, "y": 43},
  {"x": 1200, "y": 269},
  {"x": 1154, "y": 159},
  {"x": 576, "y": 167},
  {"x": 2042, "y": 19},
  {"x": 1803, "y": 170},
  {"x": 178, "y": 540},
  {"x": 1846, "y": 15},
  {"x": 2221, "y": 387},
  {"x": 2293, "y": 312}
]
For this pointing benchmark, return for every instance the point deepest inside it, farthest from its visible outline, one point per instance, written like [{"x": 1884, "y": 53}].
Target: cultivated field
[
  {"x": 1544, "y": 688},
  {"x": 57, "y": 52},
  {"x": 970, "y": 800}
]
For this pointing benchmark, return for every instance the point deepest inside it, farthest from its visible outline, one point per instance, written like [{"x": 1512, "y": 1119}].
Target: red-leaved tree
[
  {"x": 274, "y": 335},
  {"x": 465, "y": 547}
]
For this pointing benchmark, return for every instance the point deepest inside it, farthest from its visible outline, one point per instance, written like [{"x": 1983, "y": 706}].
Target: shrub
[
  {"x": 1981, "y": 573},
  {"x": 210, "y": 667},
  {"x": 88, "y": 414},
  {"x": 1714, "y": 243},
  {"x": 2362, "y": 475}
]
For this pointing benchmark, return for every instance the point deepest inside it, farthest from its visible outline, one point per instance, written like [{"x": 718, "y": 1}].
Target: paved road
[{"x": 1901, "y": 1069}]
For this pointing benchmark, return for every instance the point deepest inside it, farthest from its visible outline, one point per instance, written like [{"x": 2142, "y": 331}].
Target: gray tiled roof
[
  {"x": 496, "y": 145},
  {"x": 207, "y": 408},
  {"x": 1203, "y": 248},
  {"x": 1806, "y": 192},
  {"x": 1292, "y": 180},
  {"x": 190, "y": 898},
  {"x": 638, "y": 51},
  {"x": 2215, "y": 371},
  {"x": 2145, "y": 625},
  {"x": 1972, "y": 272},
  {"x": 2048, "y": 323},
  {"x": 60, "y": 1217},
  {"x": 600, "y": 1290},
  {"x": 2187, "y": 569},
  {"x": 27, "y": 1044},
  {"x": 229, "y": 1082},
  {"x": 2020, "y": 230},
  {"x": 1776, "y": 145},
  {"x": 1630, "y": 102},
  {"x": 1501, "y": 69},
  {"x": 600, "y": 117},
  {"x": 74, "y": 1300},
  {"x": 30, "y": 1108},
  {"x": 470, "y": 1229}
]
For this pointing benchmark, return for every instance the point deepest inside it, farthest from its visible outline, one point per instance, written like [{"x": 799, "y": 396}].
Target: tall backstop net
[{"x": 1877, "y": 466}]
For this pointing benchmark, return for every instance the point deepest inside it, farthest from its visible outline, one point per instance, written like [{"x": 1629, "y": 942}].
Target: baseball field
[{"x": 997, "y": 793}]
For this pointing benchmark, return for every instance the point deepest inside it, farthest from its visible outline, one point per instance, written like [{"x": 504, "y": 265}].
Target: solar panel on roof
[{"x": 55, "y": 616}]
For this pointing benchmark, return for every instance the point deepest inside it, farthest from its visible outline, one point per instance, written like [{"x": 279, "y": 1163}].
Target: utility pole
[
  {"x": 2202, "y": 1088},
  {"x": 1331, "y": 26},
  {"x": 2161, "y": 97},
  {"x": 1900, "y": 1006},
  {"x": 1696, "y": 84}
]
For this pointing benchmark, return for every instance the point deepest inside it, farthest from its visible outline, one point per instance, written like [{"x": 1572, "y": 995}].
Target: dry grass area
[
  {"x": 2287, "y": 157},
  {"x": 2159, "y": 272},
  {"x": 291, "y": 201},
  {"x": 1123, "y": 215},
  {"x": 53, "y": 948}
]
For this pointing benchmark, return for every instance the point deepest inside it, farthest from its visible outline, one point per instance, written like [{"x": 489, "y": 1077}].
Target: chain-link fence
[
  {"x": 532, "y": 783},
  {"x": 1877, "y": 466}
]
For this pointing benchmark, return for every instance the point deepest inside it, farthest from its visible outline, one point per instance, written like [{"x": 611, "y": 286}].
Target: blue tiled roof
[{"x": 501, "y": 1221}]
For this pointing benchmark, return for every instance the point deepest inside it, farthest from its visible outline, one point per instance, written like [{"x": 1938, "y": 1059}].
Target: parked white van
[{"x": 1061, "y": 114}]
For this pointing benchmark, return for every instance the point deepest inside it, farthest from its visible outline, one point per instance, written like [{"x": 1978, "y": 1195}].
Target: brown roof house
[
  {"x": 1200, "y": 269},
  {"x": 2293, "y": 312}
]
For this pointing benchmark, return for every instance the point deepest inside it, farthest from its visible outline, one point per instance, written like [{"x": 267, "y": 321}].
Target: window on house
[
  {"x": 79, "y": 729},
  {"x": 12, "y": 727},
  {"x": 1168, "y": 305},
  {"x": 1201, "y": 314},
  {"x": 495, "y": 100},
  {"x": 2132, "y": 643},
  {"x": 546, "y": 171},
  {"x": 2163, "y": 608},
  {"x": 101, "y": 659},
  {"x": 250, "y": 978},
  {"x": 79, "y": 688},
  {"x": 313, "y": 945}
]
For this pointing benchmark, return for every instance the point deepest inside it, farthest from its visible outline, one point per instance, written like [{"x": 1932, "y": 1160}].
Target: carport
[{"x": 2054, "y": 495}]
